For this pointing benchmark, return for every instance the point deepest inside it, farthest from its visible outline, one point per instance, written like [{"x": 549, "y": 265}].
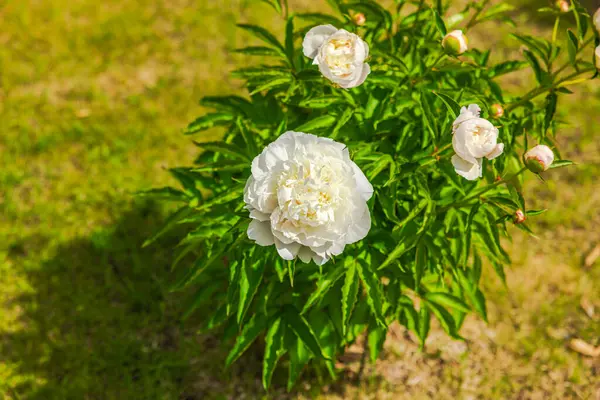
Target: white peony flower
[
  {"x": 455, "y": 42},
  {"x": 307, "y": 197},
  {"x": 474, "y": 138},
  {"x": 597, "y": 20},
  {"x": 539, "y": 158},
  {"x": 339, "y": 54}
]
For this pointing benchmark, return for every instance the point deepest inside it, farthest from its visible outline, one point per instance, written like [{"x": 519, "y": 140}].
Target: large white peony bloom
[
  {"x": 307, "y": 197},
  {"x": 474, "y": 138},
  {"x": 339, "y": 54}
]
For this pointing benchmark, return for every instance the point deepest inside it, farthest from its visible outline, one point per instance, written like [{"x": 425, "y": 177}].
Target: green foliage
[{"x": 430, "y": 227}]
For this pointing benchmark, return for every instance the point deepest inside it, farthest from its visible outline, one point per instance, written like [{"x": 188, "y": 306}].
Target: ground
[{"x": 93, "y": 99}]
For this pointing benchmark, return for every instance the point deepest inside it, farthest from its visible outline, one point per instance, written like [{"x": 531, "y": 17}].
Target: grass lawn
[{"x": 93, "y": 98}]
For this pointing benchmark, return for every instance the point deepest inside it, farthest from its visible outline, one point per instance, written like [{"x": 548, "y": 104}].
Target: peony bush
[{"x": 367, "y": 176}]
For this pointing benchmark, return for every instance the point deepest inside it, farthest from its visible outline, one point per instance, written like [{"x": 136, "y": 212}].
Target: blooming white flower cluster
[
  {"x": 474, "y": 138},
  {"x": 339, "y": 54},
  {"x": 307, "y": 197}
]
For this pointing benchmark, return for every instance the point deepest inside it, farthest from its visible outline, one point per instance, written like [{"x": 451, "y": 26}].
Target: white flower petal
[
  {"x": 260, "y": 232},
  {"x": 315, "y": 38},
  {"x": 259, "y": 215},
  {"x": 363, "y": 186},
  {"x": 305, "y": 254},
  {"x": 287, "y": 251},
  {"x": 498, "y": 150},
  {"x": 467, "y": 170}
]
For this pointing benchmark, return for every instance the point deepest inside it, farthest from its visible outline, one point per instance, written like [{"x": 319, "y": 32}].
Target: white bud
[
  {"x": 539, "y": 158},
  {"x": 360, "y": 19},
  {"x": 597, "y": 20},
  {"x": 455, "y": 42},
  {"x": 563, "y": 5}
]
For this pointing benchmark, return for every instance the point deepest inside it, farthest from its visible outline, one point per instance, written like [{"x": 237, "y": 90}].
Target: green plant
[{"x": 431, "y": 229}]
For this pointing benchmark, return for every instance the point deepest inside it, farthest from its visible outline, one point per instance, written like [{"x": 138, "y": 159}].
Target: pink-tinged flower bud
[
  {"x": 455, "y": 43},
  {"x": 539, "y": 158},
  {"x": 497, "y": 111},
  {"x": 519, "y": 217},
  {"x": 360, "y": 19},
  {"x": 596, "y": 20},
  {"x": 563, "y": 5},
  {"x": 598, "y": 58}
]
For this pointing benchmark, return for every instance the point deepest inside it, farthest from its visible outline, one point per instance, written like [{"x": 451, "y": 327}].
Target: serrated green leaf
[
  {"x": 424, "y": 325},
  {"x": 226, "y": 149},
  {"x": 439, "y": 23},
  {"x": 448, "y": 300},
  {"x": 209, "y": 121},
  {"x": 303, "y": 331},
  {"x": 446, "y": 320},
  {"x": 324, "y": 121},
  {"x": 263, "y": 35},
  {"x": 572, "y": 46},
  {"x": 349, "y": 292},
  {"x": 274, "y": 349},
  {"x": 372, "y": 286},
  {"x": 299, "y": 357},
  {"x": 254, "y": 327},
  {"x": 324, "y": 284},
  {"x": 375, "y": 339},
  {"x": 251, "y": 275},
  {"x": 561, "y": 163}
]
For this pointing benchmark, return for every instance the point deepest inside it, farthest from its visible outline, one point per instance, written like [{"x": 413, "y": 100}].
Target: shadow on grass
[{"x": 99, "y": 323}]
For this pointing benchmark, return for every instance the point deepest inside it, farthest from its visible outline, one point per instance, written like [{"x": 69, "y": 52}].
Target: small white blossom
[
  {"x": 474, "y": 138},
  {"x": 455, "y": 42},
  {"x": 339, "y": 54},
  {"x": 307, "y": 197},
  {"x": 539, "y": 158}
]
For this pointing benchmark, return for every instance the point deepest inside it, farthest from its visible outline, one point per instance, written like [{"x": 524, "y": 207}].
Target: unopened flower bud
[
  {"x": 563, "y": 5},
  {"x": 598, "y": 58},
  {"x": 360, "y": 19},
  {"x": 455, "y": 43},
  {"x": 497, "y": 111},
  {"x": 539, "y": 158},
  {"x": 597, "y": 20},
  {"x": 519, "y": 217}
]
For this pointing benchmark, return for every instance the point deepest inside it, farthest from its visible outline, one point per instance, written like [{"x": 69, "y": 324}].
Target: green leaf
[
  {"x": 320, "y": 102},
  {"x": 420, "y": 264},
  {"x": 299, "y": 357},
  {"x": 448, "y": 300},
  {"x": 226, "y": 149},
  {"x": 551, "y": 101},
  {"x": 209, "y": 121},
  {"x": 349, "y": 292},
  {"x": 275, "y": 4},
  {"x": 303, "y": 331},
  {"x": 321, "y": 19},
  {"x": 373, "y": 291},
  {"x": 261, "y": 51},
  {"x": 250, "y": 278},
  {"x": 323, "y": 286},
  {"x": 446, "y": 320},
  {"x": 451, "y": 104},
  {"x": 324, "y": 121},
  {"x": 376, "y": 339},
  {"x": 263, "y": 35},
  {"x": 561, "y": 163},
  {"x": 343, "y": 119},
  {"x": 572, "y": 46},
  {"x": 173, "y": 219},
  {"x": 469, "y": 234},
  {"x": 289, "y": 39},
  {"x": 272, "y": 84},
  {"x": 274, "y": 349},
  {"x": 249, "y": 333},
  {"x": 535, "y": 65},
  {"x": 439, "y": 23}
]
